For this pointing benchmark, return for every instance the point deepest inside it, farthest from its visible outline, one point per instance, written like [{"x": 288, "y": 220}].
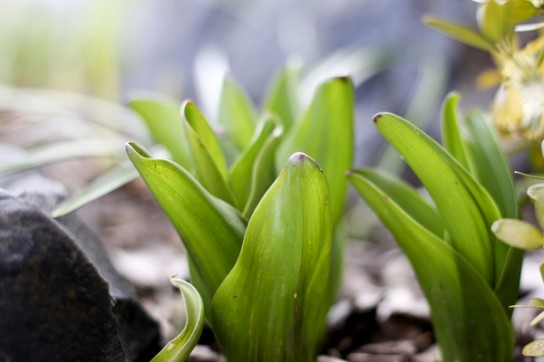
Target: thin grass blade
[
  {"x": 103, "y": 185},
  {"x": 63, "y": 151}
]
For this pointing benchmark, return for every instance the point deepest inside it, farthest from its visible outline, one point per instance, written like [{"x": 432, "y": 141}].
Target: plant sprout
[{"x": 468, "y": 276}]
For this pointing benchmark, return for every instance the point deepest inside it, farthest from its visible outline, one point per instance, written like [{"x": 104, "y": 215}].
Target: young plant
[
  {"x": 468, "y": 276},
  {"x": 262, "y": 285},
  {"x": 260, "y": 246}
]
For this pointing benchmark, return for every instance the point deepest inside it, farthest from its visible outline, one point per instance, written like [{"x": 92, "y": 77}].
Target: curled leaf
[{"x": 178, "y": 349}]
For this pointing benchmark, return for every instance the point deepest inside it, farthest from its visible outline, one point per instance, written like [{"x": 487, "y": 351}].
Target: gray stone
[
  {"x": 54, "y": 305},
  {"x": 138, "y": 333}
]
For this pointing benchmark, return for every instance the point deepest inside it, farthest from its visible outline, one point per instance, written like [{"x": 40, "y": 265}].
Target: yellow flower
[{"x": 518, "y": 107}]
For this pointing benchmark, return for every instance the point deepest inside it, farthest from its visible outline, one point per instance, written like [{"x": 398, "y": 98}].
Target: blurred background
[{"x": 113, "y": 49}]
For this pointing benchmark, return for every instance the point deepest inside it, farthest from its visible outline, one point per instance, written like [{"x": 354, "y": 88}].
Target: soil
[{"x": 380, "y": 314}]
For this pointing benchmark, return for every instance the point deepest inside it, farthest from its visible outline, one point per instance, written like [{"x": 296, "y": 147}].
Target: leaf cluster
[
  {"x": 259, "y": 244},
  {"x": 468, "y": 276}
]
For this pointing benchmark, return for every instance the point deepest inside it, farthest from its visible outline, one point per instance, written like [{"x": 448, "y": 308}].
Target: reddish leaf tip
[
  {"x": 377, "y": 117},
  {"x": 299, "y": 157}
]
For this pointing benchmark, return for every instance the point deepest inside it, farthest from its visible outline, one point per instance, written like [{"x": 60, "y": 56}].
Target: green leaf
[
  {"x": 62, "y": 151},
  {"x": 491, "y": 168},
  {"x": 407, "y": 198},
  {"x": 210, "y": 167},
  {"x": 192, "y": 210},
  {"x": 163, "y": 120},
  {"x": 326, "y": 133},
  {"x": 196, "y": 120},
  {"x": 451, "y": 133},
  {"x": 178, "y": 349},
  {"x": 447, "y": 183},
  {"x": 104, "y": 184},
  {"x": 460, "y": 32},
  {"x": 429, "y": 89},
  {"x": 489, "y": 164},
  {"x": 493, "y": 22},
  {"x": 517, "y": 233},
  {"x": 469, "y": 322},
  {"x": 269, "y": 308},
  {"x": 241, "y": 177},
  {"x": 264, "y": 172},
  {"x": 281, "y": 96},
  {"x": 518, "y": 11},
  {"x": 236, "y": 113}
]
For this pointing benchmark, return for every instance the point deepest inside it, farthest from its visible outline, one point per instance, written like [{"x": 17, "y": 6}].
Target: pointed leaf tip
[
  {"x": 300, "y": 157},
  {"x": 377, "y": 117}
]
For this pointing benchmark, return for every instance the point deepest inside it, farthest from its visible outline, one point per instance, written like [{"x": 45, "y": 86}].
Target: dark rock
[
  {"x": 54, "y": 305},
  {"x": 138, "y": 333}
]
